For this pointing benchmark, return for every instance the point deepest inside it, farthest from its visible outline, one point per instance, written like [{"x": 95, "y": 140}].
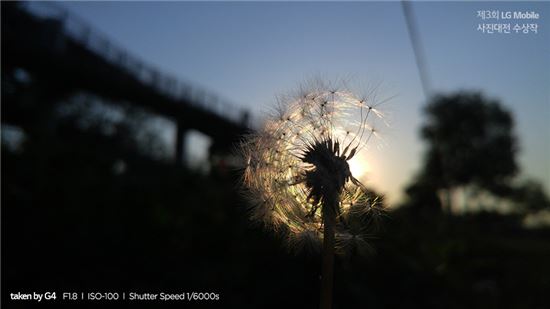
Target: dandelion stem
[{"x": 329, "y": 220}]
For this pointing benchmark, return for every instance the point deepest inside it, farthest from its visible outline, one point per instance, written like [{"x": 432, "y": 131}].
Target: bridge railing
[{"x": 82, "y": 32}]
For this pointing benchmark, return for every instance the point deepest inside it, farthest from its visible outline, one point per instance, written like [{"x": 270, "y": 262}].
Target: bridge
[{"x": 70, "y": 56}]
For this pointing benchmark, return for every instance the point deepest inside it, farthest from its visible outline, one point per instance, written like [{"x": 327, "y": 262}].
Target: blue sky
[{"x": 249, "y": 52}]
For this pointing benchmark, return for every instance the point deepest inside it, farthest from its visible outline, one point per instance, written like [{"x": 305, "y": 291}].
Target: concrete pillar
[{"x": 180, "y": 144}]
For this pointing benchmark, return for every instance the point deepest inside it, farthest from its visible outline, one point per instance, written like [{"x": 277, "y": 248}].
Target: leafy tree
[
  {"x": 530, "y": 196},
  {"x": 470, "y": 142}
]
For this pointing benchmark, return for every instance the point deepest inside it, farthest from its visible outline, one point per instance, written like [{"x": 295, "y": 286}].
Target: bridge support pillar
[{"x": 180, "y": 144}]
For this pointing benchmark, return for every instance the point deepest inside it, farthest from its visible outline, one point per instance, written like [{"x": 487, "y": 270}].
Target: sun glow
[{"x": 359, "y": 167}]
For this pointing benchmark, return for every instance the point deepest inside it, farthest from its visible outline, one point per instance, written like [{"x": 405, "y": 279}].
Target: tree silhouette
[
  {"x": 530, "y": 196},
  {"x": 470, "y": 142}
]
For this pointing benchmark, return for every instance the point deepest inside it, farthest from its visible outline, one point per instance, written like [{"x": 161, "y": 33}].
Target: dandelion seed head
[{"x": 301, "y": 153}]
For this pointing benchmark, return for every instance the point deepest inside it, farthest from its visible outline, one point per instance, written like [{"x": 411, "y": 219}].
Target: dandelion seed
[{"x": 301, "y": 158}]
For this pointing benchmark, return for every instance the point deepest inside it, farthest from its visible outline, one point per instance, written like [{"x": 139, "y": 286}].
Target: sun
[{"x": 359, "y": 167}]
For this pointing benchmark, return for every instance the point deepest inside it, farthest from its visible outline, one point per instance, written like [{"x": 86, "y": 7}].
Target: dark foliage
[{"x": 470, "y": 141}]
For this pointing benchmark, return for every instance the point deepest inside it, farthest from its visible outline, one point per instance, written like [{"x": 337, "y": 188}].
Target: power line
[{"x": 417, "y": 48}]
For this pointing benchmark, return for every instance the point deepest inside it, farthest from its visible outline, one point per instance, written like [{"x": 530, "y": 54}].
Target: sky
[{"x": 250, "y": 52}]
